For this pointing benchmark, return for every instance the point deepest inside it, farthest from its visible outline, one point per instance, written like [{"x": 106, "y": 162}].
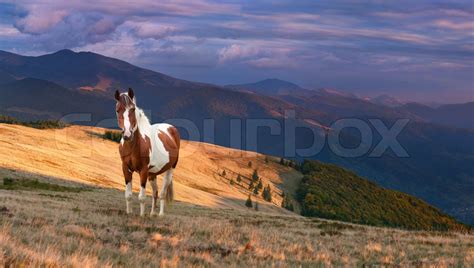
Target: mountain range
[
  {"x": 439, "y": 140},
  {"x": 272, "y": 87},
  {"x": 347, "y": 104},
  {"x": 387, "y": 100}
]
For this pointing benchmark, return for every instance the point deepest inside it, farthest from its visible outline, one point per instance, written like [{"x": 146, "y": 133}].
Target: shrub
[
  {"x": 112, "y": 135},
  {"x": 31, "y": 185},
  {"x": 41, "y": 124}
]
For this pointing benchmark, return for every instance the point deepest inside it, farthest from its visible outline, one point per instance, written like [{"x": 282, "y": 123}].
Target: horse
[{"x": 149, "y": 150}]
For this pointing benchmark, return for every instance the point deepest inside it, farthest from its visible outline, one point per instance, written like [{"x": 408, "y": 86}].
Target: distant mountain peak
[
  {"x": 275, "y": 80},
  {"x": 275, "y": 84},
  {"x": 64, "y": 51},
  {"x": 272, "y": 87}
]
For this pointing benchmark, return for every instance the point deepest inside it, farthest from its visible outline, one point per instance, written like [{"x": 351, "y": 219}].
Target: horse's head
[{"x": 126, "y": 116}]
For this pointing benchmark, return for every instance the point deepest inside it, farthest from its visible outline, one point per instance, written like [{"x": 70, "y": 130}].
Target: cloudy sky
[{"x": 417, "y": 50}]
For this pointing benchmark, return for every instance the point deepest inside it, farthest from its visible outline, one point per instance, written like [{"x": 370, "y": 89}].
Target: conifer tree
[
  {"x": 255, "y": 190},
  {"x": 286, "y": 202},
  {"x": 290, "y": 207},
  {"x": 248, "y": 203},
  {"x": 251, "y": 185},
  {"x": 267, "y": 193},
  {"x": 239, "y": 179},
  {"x": 255, "y": 175}
]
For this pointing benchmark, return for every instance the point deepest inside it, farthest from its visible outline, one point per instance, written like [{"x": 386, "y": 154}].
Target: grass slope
[
  {"x": 332, "y": 192},
  {"x": 81, "y": 154},
  {"x": 50, "y": 227}
]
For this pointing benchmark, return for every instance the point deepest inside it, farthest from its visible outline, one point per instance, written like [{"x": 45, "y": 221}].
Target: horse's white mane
[{"x": 142, "y": 121}]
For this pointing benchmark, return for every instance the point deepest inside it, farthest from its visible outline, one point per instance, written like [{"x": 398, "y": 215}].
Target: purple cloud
[
  {"x": 40, "y": 21},
  {"x": 152, "y": 30},
  {"x": 355, "y": 45}
]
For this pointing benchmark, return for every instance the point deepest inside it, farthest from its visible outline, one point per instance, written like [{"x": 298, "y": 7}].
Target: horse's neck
[
  {"x": 143, "y": 129},
  {"x": 143, "y": 123}
]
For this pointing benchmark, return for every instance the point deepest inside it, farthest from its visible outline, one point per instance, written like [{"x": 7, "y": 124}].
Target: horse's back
[
  {"x": 170, "y": 130},
  {"x": 166, "y": 142}
]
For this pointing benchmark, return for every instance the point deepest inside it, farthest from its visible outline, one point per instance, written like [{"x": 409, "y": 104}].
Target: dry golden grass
[
  {"x": 47, "y": 225},
  {"x": 89, "y": 228},
  {"x": 76, "y": 153}
]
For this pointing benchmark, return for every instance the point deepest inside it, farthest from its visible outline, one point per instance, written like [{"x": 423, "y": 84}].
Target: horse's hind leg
[
  {"x": 154, "y": 193},
  {"x": 166, "y": 190}
]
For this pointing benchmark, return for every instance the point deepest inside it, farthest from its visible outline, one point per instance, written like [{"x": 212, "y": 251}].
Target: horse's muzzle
[{"x": 125, "y": 137}]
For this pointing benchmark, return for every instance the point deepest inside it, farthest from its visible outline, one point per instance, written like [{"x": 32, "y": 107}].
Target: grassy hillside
[
  {"x": 81, "y": 154},
  {"x": 208, "y": 175},
  {"x": 62, "y": 204},
  {"x": 331, "y": 192},
  {"x": 59, "y": 223}
]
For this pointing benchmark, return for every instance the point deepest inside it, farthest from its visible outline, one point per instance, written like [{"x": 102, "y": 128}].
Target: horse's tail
[{"x": 169, "y": 194}]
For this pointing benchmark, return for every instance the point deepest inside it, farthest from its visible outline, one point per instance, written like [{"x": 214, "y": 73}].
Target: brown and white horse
[{"x": 146, "y": 149}]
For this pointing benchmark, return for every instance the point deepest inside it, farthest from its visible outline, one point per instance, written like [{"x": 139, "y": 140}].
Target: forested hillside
[{"x": 331, "y": 192}]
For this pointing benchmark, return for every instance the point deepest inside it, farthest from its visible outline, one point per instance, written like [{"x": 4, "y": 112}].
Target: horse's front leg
[
  {"x": 128, "y": 187},
  {"x": 142, "y": 194},
  {"x": 154, "y": 193}
]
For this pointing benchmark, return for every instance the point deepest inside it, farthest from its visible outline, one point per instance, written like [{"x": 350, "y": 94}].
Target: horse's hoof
[
  {"x": 161, "y": 214},
  {"x": 153, "y": 214}
]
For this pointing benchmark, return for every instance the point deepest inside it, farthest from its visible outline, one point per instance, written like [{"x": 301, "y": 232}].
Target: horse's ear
[
  {"x": 117, "y": 95},
  {"x": 130, "y": 93}
]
